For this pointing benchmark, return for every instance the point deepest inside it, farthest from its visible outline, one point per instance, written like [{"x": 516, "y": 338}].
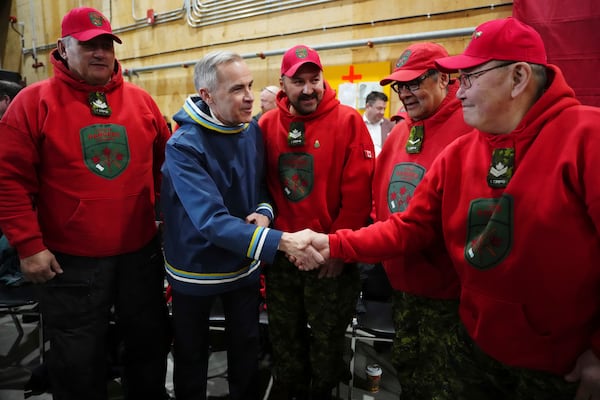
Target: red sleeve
[
  {"x": 163, "y": 134},
  {"x": 19, "y": 159}
]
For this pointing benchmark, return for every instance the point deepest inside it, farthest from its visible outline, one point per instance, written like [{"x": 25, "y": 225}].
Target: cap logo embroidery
[
  {"x": 403, "y": 58},
  {"x": 476, "y": 34},
  {"x": 96, "y": 19},
  {"x": 301, "y": 53}
]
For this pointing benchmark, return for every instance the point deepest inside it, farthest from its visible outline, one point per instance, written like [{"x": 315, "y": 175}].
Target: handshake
[{"x": 307, "y": 249}]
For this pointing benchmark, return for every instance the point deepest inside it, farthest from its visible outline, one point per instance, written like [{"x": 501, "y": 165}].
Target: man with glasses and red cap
[
  {"x": 517, "y": 205},
  {"x": 320, "y": 161},
  {"x": 79, "y": 177},
  {"x": 426, "y": 287}
]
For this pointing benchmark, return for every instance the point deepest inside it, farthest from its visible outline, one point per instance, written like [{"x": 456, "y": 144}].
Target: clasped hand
[{"x": 307, "y": 249}]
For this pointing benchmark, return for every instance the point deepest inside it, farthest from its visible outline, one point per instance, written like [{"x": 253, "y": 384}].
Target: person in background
[
  {"x": 379, "y": 127},
  {"x": 517, "y": 204},
  {"x": 216, "y": 215},
  {"x": 79, "y": 176},
  {"x": 267, "y": 100},
  {"x": 8, "y": 91},
  {"x": 426, "y": 287},
  {"x": 320, "y": 162}
]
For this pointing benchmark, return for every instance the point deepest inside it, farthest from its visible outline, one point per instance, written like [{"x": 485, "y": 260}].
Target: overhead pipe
[
  {"x": 197, "y": 17},
  {"x": 178, "y": 12},
  {"x": 447, "y": 33}
]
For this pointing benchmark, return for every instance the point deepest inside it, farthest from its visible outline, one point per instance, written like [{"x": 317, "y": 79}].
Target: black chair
[{"x": 22, "y": 301}]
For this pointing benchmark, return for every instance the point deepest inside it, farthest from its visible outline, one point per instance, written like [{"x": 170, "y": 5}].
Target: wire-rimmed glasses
[{"x": 465, "y": 79}]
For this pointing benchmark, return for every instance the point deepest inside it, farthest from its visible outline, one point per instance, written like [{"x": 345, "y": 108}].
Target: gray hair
[
  {"x": 541, "y": 78},
  {"x": 205, "y": 71}
]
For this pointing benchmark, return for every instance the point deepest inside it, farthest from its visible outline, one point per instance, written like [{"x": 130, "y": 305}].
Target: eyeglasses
[
  {"x": 465, "y": 79},
  {"x": 413, "y": 85}
]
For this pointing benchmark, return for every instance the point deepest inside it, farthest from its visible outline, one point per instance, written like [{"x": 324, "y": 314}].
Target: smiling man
[
  {"x": 320, "y": 159},
  {"x": 426, "y": 287},
  {"x": 80, "y": 172},
  {"x": 216, "y": 216},
  {"x": 516, "y": 203}
]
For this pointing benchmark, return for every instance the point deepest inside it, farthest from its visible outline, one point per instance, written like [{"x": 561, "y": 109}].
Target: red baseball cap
[
  {"x": 85, "y": 23},
  {"x": 417, "y": 59},
  {"x": 505, "y": 39},
  {"x": 296, "y": 57}
]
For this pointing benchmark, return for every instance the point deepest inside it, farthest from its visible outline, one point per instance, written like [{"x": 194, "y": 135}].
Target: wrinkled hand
[
  {"x": 40, "y": 267},
  {"x": 331, "y": 269},
  {"x": 587, "y": 372},
  {"x": 258, "y": 219},
  {"x": 298, "y": 248}
]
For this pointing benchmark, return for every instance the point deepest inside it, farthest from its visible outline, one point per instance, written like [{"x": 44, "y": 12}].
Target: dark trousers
[
  {"x": 78, "y": 306},
  {"x": 191, "y": 324}
]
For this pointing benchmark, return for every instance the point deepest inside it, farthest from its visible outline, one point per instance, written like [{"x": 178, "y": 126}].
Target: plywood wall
[{"x": 177, "y": 43}]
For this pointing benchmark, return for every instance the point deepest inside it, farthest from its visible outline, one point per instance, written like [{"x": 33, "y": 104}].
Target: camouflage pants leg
[
  {"x": 484, "y": 378},
  {"x": 424, "y": 343},
  {"x": 298, "y": 300},
  {"x": 287, "y": 325},
  {"x": 330, "y": 305}
]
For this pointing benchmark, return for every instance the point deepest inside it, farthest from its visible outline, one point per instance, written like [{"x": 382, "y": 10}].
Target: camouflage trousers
[
  {"x": 484, "y": 378},
  {"x": 437, "y": 360},
  {"x": 425, "y": 342},
  {"x": 308, "y": 318}
]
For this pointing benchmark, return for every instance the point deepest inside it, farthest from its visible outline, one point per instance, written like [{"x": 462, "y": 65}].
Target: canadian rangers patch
[
  {"x": 403, "y": 182},
  {"x": 296, "y": 173},
  {"x": 105, "y": 149},
  {"x": 489, "y": 231}
]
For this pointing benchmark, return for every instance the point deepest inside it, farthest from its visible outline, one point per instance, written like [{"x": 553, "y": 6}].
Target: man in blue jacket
[{"x": 216, "y": 216}]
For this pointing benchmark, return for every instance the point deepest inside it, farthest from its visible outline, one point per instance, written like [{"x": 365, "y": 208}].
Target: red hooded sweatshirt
[
  {"x": 75, "y": 182},
  {"x": 323, "y": 181},
  {"x": 526, "y": 254}
]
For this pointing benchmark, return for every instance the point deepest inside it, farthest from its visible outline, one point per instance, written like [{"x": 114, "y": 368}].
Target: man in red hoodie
[
  {"x": 320, "y": 161},
  {"x": 79, "y": 175},
  {"x": 426, "y": 287},
  {"x": 517, "y": 204}
]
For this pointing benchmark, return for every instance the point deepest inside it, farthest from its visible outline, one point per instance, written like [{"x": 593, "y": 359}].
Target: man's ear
[
  {"x": 62, "y": 50},
  {"x": 522, "y": 75},
  {"x": 205, "y": 95}
]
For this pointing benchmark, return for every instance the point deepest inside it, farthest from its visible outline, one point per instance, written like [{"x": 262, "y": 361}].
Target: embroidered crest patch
[
  {"x": 489, "y": 231},
  {"x": 403, "y": 182},
  {"x": 296, "y": 173},
  {"x": 403, "y": 58},
  {"x": 105, "y": 149}
]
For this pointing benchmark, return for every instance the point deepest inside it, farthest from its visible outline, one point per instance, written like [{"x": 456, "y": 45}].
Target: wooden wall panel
[{"x": 176, "y": 42}]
